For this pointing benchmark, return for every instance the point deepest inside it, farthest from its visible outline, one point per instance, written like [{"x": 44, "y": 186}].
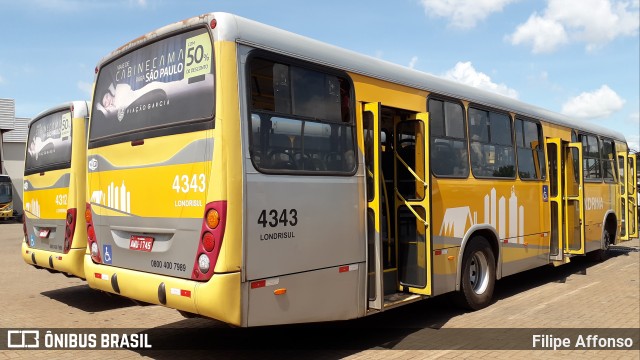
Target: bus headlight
[{"x": 203, "y": 263}]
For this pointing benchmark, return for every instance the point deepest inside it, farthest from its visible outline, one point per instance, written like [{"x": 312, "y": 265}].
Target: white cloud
[
  {"x": 465, "y": 73},
  {"x": 544, "y": 35},
  {"x": 597, "y": 104},
  {"x": 463, "y": 14},
  {"x": 85, "y": 87},
  {"x": 412, "y": 63},
  {"x": 592, "y": 22}
]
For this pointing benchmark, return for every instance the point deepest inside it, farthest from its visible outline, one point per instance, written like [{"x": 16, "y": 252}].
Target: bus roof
[
  {"x": 238, "y": 29},
  {"x": 81, "y": 109}
]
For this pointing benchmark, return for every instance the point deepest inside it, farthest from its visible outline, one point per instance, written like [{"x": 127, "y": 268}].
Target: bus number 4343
[
  {"x": 186, "y": 183},
  {"x": 274, "y": 217}
]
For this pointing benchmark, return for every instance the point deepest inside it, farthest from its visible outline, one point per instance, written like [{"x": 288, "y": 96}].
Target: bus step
[
  {"x": 397, "y": 299},
  {"x": 565, "y": 260}
]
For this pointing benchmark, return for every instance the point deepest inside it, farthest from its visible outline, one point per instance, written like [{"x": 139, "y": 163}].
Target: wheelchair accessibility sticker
[
  {"x": 107, "y": 254},
  {"x": 32, "y": 240},
  {"x": 545, "y": 193}
]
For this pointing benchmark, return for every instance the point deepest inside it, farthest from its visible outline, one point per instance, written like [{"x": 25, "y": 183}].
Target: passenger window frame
[
  {"x": 449, "y": 139},
  {"x": 349, "y": 125},
  {"x": 489, "y": 111},
  {"x": 541, "y": 150}
]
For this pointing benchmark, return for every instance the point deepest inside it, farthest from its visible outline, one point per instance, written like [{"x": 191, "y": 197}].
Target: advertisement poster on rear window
[
  {"x": 49, "y": 142},
  {"x": 166, "y": 82}
]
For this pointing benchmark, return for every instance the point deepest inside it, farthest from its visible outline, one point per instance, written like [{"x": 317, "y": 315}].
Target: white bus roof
[
  {"x": 238, "y": 29},
  {"x": 81, "y": 109}
]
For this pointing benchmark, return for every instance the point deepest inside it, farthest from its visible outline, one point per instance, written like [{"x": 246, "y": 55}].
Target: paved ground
[{"x": 583, "y": 295}]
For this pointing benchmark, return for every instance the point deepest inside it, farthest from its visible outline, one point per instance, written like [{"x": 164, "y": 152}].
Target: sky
[{"x": 576, "y": 57}]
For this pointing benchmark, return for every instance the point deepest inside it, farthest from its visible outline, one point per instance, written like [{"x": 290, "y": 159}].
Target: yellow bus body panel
[
  {"x": 52, "y": 204},
  {"x": 219, "y": 297}
]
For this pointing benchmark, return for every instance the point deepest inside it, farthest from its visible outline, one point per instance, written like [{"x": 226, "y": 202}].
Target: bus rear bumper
[
  {"x": 6, "y": 214},
  {"x": 70, "y": 263},
  {"x": 218, "y": 298}
]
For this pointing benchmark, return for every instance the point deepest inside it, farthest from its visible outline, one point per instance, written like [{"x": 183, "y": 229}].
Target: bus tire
[
  {"x": 478, "y": 275},
  {"x": 601, "y": 255}
]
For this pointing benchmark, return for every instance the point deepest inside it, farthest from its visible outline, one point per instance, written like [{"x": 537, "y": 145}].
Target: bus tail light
[
  {"x": 213, "y": 218},
  {"x": 211, "y": 235},
  {"x": 91, "y": 236},
  {"x": 208, "y": 241},
  {"x": 69, "y": 229}
]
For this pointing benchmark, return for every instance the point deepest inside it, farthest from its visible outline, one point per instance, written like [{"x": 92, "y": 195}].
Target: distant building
[
  {"x": 13, "y": 132},
  {"x": 14, "y": 147},
  {"x": 7, "y": 123}
]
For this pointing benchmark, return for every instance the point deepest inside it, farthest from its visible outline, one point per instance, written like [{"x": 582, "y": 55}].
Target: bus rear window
[
  {"x": 49, "y": 143},
  {"x": 166, "y": 83}
]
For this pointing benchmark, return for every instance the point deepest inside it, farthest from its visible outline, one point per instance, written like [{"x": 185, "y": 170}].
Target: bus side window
[
  {"x": 301, "y": 118},
  {"x": 448, "y": 139},
  {"x": 531, "y": 162},
  {"x": 608, "y": 161},
  {"x": 591, "y": 158},
  {"x": 492, "y": 153}
]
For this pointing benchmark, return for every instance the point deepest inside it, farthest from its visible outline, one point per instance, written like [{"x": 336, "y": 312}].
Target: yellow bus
[
  {"x": 258, "y": 177},
  {"x": 55, "y": 236},
  {"x": 6, "y": 197}
]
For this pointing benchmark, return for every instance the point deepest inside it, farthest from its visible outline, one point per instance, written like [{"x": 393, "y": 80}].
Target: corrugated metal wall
[
  {"x": 7, "y": 114},
  {"x": 19, "y": 133}
]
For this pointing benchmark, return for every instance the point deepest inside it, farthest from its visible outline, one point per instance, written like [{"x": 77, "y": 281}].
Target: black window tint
[
  {"x": 449, "y": 155},
  {"x": 300, "y": 119},
  {"x": 591, "y": 158},
  {"x": 609, "y": 170},
  {"x": 531, "y": 161},
  {"x": 492, "y": 153},
  {"x": 436, "y": 117},
  {"x": 167, "y": 83},
  {"x": 454, "y": 120},
  {"x": 49, "y": 143},
  {"x": 532, "y": 135},
  {"x": 479, "y": 125},
  {"x": 500, "y": 127},
  {"x": 315, "y": 94}
]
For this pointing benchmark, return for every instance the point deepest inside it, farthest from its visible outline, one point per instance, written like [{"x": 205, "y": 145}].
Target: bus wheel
[
  {"x": 602, "y": 254},
  {"x": 478, "y": 275}
]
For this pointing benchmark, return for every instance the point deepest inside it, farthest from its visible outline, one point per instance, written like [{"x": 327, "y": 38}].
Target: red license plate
[
  {"x": 141, "y": 243},
  {"x": 44, "y": 233}
]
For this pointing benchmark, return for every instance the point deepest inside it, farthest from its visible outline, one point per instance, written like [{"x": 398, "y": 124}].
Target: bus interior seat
[
  {"x": 310, "y": 153},
  {"x": 280, "y": 152}
]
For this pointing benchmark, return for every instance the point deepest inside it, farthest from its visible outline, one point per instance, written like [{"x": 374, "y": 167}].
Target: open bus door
[
  {"x": 573, "y": 199},
  {"x": 565, "y": 199},
  {"x": 632, "y": 197},
  {"x": 407, "y": 273},
  {"x": 371, "y": 135},
  {"x": 624, "y": 196},
  {"x": 413, "y": 204}
]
